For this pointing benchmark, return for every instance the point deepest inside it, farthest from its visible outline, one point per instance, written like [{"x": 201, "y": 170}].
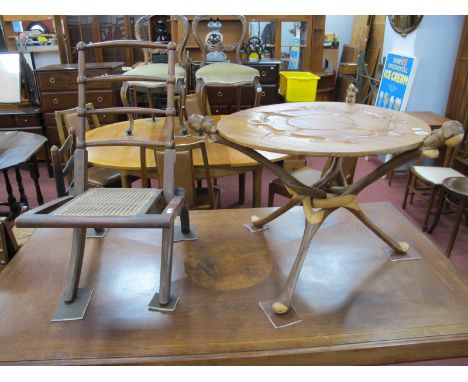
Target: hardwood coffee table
[{"x": 328, "y": 129}]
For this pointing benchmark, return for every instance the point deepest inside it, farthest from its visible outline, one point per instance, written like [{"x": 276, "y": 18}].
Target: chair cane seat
[
  {"x": 227, "y": 73},
  {"x": 435, "y": 175},
  {"x": 110, "y": 202},
  {"x": 154, "y": 70}
]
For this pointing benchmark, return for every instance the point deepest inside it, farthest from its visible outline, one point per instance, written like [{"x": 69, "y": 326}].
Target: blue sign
[{"x": 396, "y": 82}]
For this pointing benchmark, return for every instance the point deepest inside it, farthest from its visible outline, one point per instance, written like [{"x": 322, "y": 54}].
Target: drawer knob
[
  {"x": 263, "y": 73},
  {"x": 25, "y": 120},
  {"x": 220, "y": 94},
  {"x": 55, "y": 101},
  {"x": 100, "y": 99},
  {"x": 52, "y": 80}
]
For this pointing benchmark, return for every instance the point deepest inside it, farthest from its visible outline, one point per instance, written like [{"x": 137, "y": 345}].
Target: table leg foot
[
  {"x": 280, "y": 321},
  {"x": 397, "y": 246},
  {"x": 259, "y": 222}
]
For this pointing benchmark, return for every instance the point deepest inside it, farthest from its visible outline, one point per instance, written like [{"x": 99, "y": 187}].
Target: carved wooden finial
[
  {"x": 201, "y": 124},
  {"x": 351, "y": 94},
  {"x": 450, "y": 133}
]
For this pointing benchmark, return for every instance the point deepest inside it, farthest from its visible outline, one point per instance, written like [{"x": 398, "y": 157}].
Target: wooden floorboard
[{"x": 357, "y": 306}]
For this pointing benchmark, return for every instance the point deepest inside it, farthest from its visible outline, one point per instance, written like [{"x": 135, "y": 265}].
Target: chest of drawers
[{"x": 59, "y": 91}]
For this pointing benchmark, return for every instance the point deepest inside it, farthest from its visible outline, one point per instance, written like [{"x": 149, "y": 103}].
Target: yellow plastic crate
[{"x": 298, "y": 86}]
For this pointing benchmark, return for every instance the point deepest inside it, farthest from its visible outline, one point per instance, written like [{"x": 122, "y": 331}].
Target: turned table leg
[{"x": 12, "y": 203}]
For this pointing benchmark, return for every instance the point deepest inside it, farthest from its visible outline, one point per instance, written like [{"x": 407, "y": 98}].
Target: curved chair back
[
  {"x": 237, "y": 45},
  {"x": 143, "y": 33}
]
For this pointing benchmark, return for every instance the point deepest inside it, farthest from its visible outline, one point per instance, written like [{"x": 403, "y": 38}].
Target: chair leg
[
  {"x": 123, "y": 97},
  {"x": 390, "y": 177},
  {"x": 271, "y": 196},
  {"x": 408, "y": 185},
  {"x": 76, "y": 262},
  {"x": 242, "y": 188},
  {"x": 74, "y": 300},
  {"x": 163, "y": 301},
  {"x": 185, "y": 220},
  {"x": 440, "y": 206},
  {"x": 456, "y": 226},
  {"x": 429, "y": 207}
]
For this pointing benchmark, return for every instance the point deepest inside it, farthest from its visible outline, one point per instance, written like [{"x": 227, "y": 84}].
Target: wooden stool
[{"x": 457, "y": 188}]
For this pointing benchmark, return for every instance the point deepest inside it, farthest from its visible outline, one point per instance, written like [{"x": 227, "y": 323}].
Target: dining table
[
  {"x": 336, "y": 130},
  {"x": 223, "y": 160}
]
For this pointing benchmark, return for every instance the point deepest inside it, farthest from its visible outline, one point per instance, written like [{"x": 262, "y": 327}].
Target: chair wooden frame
[
  {"x": 61, "y": 123},
  {"x": 427, "y": 191},
  {"x": 201, "y": 85},
  {"x": 206, "y": 172},
  {"x": 156, "y": 209},
  {"x": 181, "y": 83}
]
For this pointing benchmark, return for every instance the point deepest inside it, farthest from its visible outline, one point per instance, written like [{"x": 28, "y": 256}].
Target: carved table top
[{"x": 324, "y": 129}]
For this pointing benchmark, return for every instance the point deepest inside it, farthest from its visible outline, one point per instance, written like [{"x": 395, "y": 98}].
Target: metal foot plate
[
  {"x": 253, "y": 228},
  {"x": 75, "y": 310},
  {"x": 180, "y": 236},
  {"x": 395, "y": 256},
  {"x": 291, "y": 317},
  {"x": 154, "y": 304},
  {"x": 96, "y": 232}
]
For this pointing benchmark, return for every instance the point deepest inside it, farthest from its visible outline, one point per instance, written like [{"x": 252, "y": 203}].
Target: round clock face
[{"x": 214, "y": 38}]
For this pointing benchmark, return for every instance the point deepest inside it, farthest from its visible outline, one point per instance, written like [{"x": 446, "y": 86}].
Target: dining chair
[
  {"x": 310, "y": 176},
  {"x": 116, "y": 207},
  {"x": 455, "y": 193},
  {"x": 425, "y": 182},
  {"x": 187, "y": 176},
  {"x": 225, "y": 74},
  {"x": 68, "y": 120},
  {"x": 143, "y": 27}
]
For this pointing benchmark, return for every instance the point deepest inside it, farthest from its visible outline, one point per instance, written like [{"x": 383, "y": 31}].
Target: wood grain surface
[
  {"x": 357, "y": 306},
  {"x": 17, "y": 147},
  {"x": 128, "y": 158},
  {"x": 324, "y": 129}
]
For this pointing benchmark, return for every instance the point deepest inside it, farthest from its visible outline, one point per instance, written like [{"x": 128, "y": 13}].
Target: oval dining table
[{"x": 223, "y": 160}]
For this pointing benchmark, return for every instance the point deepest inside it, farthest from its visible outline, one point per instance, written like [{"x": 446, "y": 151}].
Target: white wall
[
  {"x": 342, "y": 26},
  {"x": 435, "y": 44}
]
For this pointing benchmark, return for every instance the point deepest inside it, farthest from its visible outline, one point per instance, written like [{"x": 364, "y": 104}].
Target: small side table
[
  {"x": 455, "y": 193},
  {"x": 18, "y": 149}
]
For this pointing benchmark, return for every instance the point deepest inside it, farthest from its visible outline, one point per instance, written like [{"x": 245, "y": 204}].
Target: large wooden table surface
[
  {"x": 128, "y": 158},
  {"x": 17, "y": 147},
  {"x": 357, "y": 306},
  {"x": 223, "y": 161}
]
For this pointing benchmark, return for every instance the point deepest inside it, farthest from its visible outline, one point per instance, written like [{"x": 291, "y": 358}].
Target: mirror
[
  {"x": 404, "y": 24},
  {"x": 10, "y": 77}
]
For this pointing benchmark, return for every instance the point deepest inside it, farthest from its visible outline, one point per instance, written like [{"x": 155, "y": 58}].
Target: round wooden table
[
  {"x": 223, "y": 160},
  {"x": 325, "y": 129}
]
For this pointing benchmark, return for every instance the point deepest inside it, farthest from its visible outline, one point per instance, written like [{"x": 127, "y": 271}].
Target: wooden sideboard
[
  {"x": 223, "y": 100},
  {"x": 59, "y": 91}
]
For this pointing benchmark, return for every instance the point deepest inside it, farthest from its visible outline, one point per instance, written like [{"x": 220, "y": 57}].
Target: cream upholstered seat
[
  {"x": 226, "y": 73},
  {"x": 154, "y": 70},
  {"x": 157, "y": 70},
  {"x": 435, "y": 175},
  {"x": 425, "y": 182}
]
